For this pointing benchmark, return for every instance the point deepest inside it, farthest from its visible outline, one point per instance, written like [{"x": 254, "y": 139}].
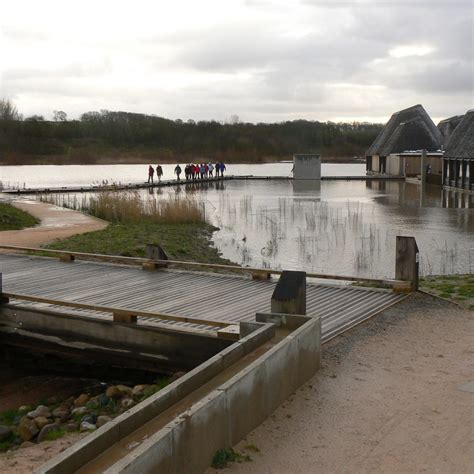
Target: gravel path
[
  {"x": 388, "y": 399},
  {"x": 55, "y": 223}
]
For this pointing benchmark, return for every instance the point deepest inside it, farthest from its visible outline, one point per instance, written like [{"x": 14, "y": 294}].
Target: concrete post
[
  {"x": 407, "y": 260},
  {"x": 289, "y": 296},
  {"x": 3, "y": 299},
  {"x": 154, "y": 252}
]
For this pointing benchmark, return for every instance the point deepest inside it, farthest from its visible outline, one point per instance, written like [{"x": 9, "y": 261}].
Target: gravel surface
[{"x": 387, "y": 399}]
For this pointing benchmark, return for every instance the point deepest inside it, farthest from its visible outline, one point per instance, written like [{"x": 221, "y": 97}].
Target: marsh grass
[{"x": 12, "y": 218}]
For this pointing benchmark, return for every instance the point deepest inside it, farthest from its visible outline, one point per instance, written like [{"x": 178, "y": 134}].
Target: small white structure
[{"x": 307, "y": 166}]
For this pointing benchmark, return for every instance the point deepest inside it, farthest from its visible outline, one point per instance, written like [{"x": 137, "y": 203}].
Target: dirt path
[
  {"x": 55, "y": 223},
  {"x": 388, "y": 399}
]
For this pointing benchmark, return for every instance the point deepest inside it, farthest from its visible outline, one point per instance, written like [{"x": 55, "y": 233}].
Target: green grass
[
  {"x": 6, "y": 444},
  {"x": 180, "y": 241},
  {"x": 12, "y": 218},
  {"x": 225, "y": 456},
  {"x": 7, "y": 417},
  {"x": 55, "y": 434},
  {"x": 457, "y": 288}
]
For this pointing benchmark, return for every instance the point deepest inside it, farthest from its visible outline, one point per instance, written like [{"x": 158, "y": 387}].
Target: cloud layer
[{"x": 262, "y": 60}]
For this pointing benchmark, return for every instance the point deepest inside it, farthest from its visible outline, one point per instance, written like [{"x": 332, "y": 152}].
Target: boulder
[
  {"x": 80, "y": 411},
  {"x": 127, "y": 403},
  {"x": 102, "y": 399},
  {"x": 89, "y": 419},
  {"x": 24, "y": 408},
  {"x": 113, "y": 392},
  {"x": 81, "y": 400},
  {"x": 47, "y": 429},
  {"x": 139, "y": 390},
  {"x": 40, "y": 410},
  {"x": 61, "y": 412},
  {"x": 125, "y": 390},
  {"x": 72, "y": 426},
  {"x": 27, "y": 429},
  {"x": 102, "y": 420},
  {"x": 41, "y": 421},
  {"x": 87, "y": 426},
  {"x": 5, "y": 432}
]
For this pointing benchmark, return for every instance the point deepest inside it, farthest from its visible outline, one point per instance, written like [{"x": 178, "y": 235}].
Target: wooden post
[
  {"x": 3, "y": 299},
  {"x": 289, "y": 296},
  {"x": 66, "y": 258},
  {"x": 407, "y": 261},
  {"x": 124, "y": 317},
  {"x": 154, "y": 252}
]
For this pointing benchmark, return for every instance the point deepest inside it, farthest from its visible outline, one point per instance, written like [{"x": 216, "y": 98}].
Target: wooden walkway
[
  {"x": 196, "y": 295},
  {"x": 173, "y": 182}
]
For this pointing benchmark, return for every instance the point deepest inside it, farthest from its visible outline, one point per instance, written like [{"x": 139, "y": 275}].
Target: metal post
[
  {"x": 407, "y": 261},
  {"x": 289, "y": 296}
]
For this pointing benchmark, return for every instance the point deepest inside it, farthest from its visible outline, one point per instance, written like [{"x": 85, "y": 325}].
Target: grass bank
[
  {"x": 12, "y": 218},
  {"x": 457, "y": 288}
]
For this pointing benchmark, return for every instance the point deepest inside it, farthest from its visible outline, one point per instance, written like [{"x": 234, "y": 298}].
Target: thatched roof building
[
  {"x": 408, "y": 129},
  {"x": 461, "y": 143},
  {"x": 447, "y": 126}
]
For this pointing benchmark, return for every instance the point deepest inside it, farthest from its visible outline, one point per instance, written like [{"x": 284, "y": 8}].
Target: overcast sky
[{"x": 264, "y": 61}]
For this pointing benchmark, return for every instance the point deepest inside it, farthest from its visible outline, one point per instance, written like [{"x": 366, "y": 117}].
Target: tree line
[{"x": 132, "y": 137}]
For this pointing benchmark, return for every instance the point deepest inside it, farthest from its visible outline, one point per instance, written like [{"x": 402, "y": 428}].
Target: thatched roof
[
  {"x": 461, "y": 142},
  {"x": 447, "y": 126},
  {"x": 421, "y": 133}
]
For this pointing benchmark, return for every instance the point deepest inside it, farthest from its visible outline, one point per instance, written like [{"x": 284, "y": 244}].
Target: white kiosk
[{"x": 307, "y": 166}]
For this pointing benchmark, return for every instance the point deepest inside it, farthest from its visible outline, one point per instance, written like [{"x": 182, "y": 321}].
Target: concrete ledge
[
  {"x": 97, "y": 442},
  {"x": 226, "y": 415}
]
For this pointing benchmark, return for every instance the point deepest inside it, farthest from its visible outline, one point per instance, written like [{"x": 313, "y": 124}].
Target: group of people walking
[{"x": 191, "y": 171}]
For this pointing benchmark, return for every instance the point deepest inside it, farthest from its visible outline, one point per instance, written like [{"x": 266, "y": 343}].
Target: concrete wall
[
  {"x": 307, "y": 166},
  {"x": 225, "y": 416},
  {"x": 97, "y": 442},
  {"x": 133, "y": 344}
]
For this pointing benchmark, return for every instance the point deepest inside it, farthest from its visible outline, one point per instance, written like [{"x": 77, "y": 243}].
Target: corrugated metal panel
[{"x": 191, "y": 294}]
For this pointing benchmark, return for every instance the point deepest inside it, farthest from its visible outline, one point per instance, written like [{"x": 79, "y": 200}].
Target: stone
[
  {"x": 41, "y": 421},
  {"x": 80, "y": 411},
  {"x": 27, "y": 429},
  {"x": 176, "y": 376},
  {"x": 113, "y": 392},
  {"x": 127, "y": 403},
  {"x": 24, "y": 409},
  {"x": 47, "y": 429},
  {"x": 103, "y": 399},
  {"x": 40, "y": 410},
  {"x": 72, "y": 426},
  {"x": 139, "y": 390},
  {"x": 27, "y": 444},
  {"x": 5, "y": 432},
  {"x": 88, "y": 419},
  {"x": 102, "y": 420},
  {"x": 61, "y": 413},
  {"x": 87, "y": 426},
  {"x": 124, "y": 389},
  {"x": 53, "y": 400},
  {"x": 81, "y": 400}
]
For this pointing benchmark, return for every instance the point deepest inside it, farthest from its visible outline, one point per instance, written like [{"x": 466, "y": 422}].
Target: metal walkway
[{"x": 191, "y": 294}]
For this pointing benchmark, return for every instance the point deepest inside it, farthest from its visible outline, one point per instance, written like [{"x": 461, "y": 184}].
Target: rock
[
  {"x": 176, "y": 376},
  {"x": 5, "y": 432},
  {"x": 102, "y": 420},
  {"x": 47, "y": 429},
  {"x": 80, "y": 411},
  {"x": 139, "y": 390},
  {"x": 89, "y": 419},
  {"x": 125, "y": 390},
  {"x": 102, "y": 399},
  {"x": 24, "y": 409},
  {"x": 41, "y": 421},
  {"x": 127, "y": 403},
  {"x": 27, "y": 429},
  {"x": 26, "y": 444},
  {"x": 81, "y": 400},
  {"x": 87, "y": 426},
  {"x": 53, "y": 400},
  {"x": 72, "y": 426},
  {"x": 113, "y": 392},
  {"x": 40, "y": 410},
  {"x": 61, "y": 412}
]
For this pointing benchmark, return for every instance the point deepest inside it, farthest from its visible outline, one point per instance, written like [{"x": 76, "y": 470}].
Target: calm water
[
  {"x": 84, "y": 175},
  {"x": 341, "y": 227}
]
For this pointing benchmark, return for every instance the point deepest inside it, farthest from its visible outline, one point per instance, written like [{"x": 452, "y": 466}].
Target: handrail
[
  {"x": 211, "y": 266},
  {"x": 117, "y": 311}
]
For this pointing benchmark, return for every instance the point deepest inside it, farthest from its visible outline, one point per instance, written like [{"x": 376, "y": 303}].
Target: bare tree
[
  {"x": 8, "y": 111},
  {"x": 59, "y": 116}
]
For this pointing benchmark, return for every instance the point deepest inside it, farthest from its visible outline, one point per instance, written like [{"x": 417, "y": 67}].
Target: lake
[{"x": 335, "y": 227}]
